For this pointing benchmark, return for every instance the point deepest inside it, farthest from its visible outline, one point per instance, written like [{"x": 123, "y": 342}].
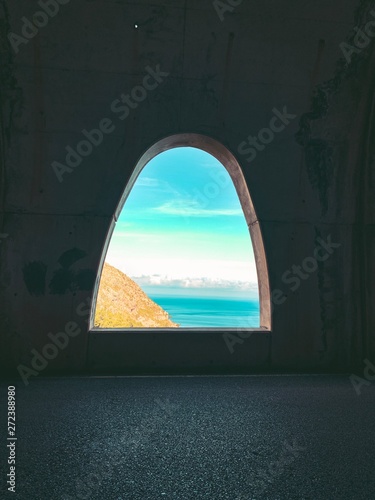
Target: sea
[{"x": 206, "y": 312}]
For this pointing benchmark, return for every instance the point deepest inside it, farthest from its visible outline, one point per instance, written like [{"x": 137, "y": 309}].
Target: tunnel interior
[
  {"x": 281, "y": 93},
  {"x": 285, "y": 106}
]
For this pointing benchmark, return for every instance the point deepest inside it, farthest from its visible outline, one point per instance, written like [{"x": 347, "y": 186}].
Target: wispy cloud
[
  {"x": 191, "y": 208},
  {"x": 147, "y": 182},
  {"x": 140, "y": 236},
  {"x": 162, "y": 187}
]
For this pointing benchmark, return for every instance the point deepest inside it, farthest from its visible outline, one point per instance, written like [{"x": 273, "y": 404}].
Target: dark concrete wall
[{"x": 314, "y": 180}]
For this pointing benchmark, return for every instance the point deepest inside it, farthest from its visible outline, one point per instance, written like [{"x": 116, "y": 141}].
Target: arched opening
[{"x": 227, "y": 160}]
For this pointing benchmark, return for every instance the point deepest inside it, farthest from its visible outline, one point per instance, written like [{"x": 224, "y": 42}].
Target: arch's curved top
[{"x": 227, "y": 159}]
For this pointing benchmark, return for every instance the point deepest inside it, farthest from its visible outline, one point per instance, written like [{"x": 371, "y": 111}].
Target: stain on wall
[{"x": 63, "y": 280}]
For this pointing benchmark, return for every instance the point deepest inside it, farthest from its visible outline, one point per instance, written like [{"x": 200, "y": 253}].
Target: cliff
[{"x": 122, "y": 303}]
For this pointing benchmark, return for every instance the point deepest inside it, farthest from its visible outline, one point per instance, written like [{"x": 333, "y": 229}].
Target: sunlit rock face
[{"x": 123, "y": 304}]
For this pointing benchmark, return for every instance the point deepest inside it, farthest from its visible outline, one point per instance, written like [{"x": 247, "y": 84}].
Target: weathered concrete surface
[{"x": 315, "y": 180}]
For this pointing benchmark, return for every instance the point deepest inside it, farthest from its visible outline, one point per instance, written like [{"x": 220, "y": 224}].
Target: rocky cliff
[{"x": 122, "y": 303}]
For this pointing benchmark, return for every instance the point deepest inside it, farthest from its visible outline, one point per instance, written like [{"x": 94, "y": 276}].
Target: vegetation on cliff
[{"x": 122, "y": 303}]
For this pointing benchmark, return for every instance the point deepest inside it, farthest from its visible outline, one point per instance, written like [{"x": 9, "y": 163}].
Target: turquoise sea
[{"x": 219, "y": 312}]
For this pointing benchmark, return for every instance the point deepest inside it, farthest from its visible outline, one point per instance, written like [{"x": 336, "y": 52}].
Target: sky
[{"x": 182, "y": 227}]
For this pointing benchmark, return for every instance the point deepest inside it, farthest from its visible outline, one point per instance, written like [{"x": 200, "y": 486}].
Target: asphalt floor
[{"x": 184, "y": 437}]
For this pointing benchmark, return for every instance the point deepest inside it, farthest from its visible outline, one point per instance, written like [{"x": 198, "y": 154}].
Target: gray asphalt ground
[{"x": 149, "y": 438}]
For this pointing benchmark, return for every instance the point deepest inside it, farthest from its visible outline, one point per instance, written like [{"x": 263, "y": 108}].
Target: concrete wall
[{"x": 312, "y": 182}]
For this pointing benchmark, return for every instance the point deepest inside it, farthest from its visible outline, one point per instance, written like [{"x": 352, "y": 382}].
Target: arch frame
[{"x": 230, "y": 163}]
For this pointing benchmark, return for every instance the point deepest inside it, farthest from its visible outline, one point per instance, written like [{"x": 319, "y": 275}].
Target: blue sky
[{"x": 182, "y": 227}]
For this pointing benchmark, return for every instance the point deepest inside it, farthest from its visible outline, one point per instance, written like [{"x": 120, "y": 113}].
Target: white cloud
[
  {"x": 139, "y": 236},
  {"x": 161, "y": 280},
  {"x": 169, "y": 270},
  {"x": 147, "y": 182},
  {"x": 191, "y": 208}
]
